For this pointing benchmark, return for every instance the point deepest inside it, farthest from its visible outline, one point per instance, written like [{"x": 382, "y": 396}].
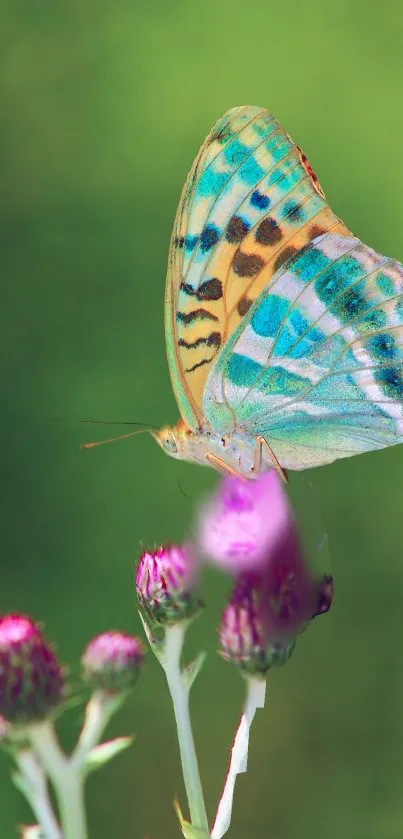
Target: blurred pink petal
[{"x": 243, "y": 521}]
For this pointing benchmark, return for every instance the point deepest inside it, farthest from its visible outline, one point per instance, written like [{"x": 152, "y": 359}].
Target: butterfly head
[{"x": 173, "y": 439}]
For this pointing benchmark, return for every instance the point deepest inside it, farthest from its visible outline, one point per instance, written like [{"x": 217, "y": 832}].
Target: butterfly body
[
  {"x": 232, "y": 452},
  {"x": 284, "y": 332}
]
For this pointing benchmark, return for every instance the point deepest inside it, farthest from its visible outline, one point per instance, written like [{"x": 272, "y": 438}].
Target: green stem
[
  {"x": 68, "y": 783},
  {"x": 35, "y": 788},
  {"x": 170, "y": 660}
]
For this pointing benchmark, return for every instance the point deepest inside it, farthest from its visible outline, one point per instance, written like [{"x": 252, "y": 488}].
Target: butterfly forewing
[{"x": 250, "y": 203}]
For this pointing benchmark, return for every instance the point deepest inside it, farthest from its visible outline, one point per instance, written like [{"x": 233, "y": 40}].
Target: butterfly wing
[
  {"x": 250, "y": 202},
  {"x": 316, "y": 365}
]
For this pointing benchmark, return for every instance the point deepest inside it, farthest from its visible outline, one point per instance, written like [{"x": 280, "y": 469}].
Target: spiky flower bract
[{"x": 165, "y": 581}]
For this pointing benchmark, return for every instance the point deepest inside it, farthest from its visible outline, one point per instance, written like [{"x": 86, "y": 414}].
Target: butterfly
[{"x": 284, "y": 332}]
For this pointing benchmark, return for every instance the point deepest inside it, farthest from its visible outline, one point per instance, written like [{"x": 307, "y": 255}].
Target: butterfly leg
[
  {"x": 222, "y": 466},
  {"x": 261, "y": 444}
]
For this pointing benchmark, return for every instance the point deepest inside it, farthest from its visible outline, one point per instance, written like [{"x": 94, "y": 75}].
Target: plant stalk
[
  {"x": 179, "y": 690},
  {"x": 35, "y": 788}
]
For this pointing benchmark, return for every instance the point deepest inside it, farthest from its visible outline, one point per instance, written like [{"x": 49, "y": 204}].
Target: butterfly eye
[{"x": 170, "y": 444}]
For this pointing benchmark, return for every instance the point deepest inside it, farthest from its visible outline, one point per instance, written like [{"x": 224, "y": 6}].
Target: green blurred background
[{"x": 103, "y": 106}]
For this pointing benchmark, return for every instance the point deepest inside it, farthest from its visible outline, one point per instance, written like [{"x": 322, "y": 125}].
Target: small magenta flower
[
  {"x": 243, "y": 521},
  {"x": 112, "y": 662},
  {"x": 31, "y": 678},
  {"x": 242, "y": 635},
  {"x": 165, "y": 582}
]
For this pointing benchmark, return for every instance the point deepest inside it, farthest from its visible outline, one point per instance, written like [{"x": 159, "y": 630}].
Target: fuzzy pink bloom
[
  {"x": 112, "y": 661},
  {"x": 165, "y": 581},
  {"x": 244, "y": 521},
  {"x": 243, "y": 639},
  {"x": 31, "y": 678}
]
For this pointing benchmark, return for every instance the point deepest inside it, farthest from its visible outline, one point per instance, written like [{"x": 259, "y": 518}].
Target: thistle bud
[
  {"x": 31, "y": 678},
  {"x": 112, "y": 662},
  {"x": 164, "y": 583},
  {"x": 242, "y": 635}
]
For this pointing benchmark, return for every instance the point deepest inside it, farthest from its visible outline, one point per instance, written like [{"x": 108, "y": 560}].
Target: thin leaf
[
  {"x": 103, "y": 753},
  {"x": 21, "y": 785},
  {"x": 188, "y": 830},
  {"x": 155, "y": 644},
  {"x": 32, "y": 831},
  {"x": 192, "y": 669}
]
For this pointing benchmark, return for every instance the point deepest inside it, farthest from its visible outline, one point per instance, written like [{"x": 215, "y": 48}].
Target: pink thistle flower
[
  {"x": 243, "y": 640},
  {"x": 243, "y": 521},
  {"x": 31, "y": 678},
  {"x": 165, "y": 581},
  {"x": 112, "y": 662}
]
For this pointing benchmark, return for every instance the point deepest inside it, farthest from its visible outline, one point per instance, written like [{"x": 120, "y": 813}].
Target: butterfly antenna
[
  {"x": 93, "y": 445},
  {"x": 119, "y": 422},
  {"x": 113, "y": 439}
]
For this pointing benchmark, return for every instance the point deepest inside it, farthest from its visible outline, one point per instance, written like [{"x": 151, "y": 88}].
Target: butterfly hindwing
[
  {"x": 250, "y": 203},
  {"x": 316, "y": 364}
]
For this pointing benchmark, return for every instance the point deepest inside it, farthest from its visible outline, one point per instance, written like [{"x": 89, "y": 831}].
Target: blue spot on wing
[
  {"x": 250, "y": 171},
  {"x": 338, "y": 277},
  {"x": 242, "y": 370},
  {"x": 298, "y": 322},
  {"x": 307, "y": 344},
  {"x": 382, "y": 347},
  {"x": 190, "y": 243},
  {"x": 278, "y": 148},
  {"x": 310, "y": 263},
  {"x": 372, "y": 321},
  {"x": 284, "y": 179},
  {"x": 211, "y": 182},
  {"x": 209, "y": 237},
  {"x": 283, "y": 342},
  {"x": 269, "y": 315},
  {"x": 385, "y": 284},
  {"x": 235, "y": 153},
  {"x": 391, "y": 381},
  {"x": 293, "y": 212},
  {"x": 259, "y": 200},
  {"x": 295, "y": 325},
  {"x": 351, "y": 304}
]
